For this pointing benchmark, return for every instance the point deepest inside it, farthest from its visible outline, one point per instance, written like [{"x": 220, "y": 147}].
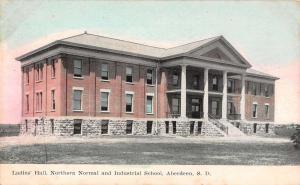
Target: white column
[
  {"x": 183, "y": 92},
  {"x": 224, "y": 98},
  {"x": 205, "y": 96},
  {"x": 242, "y": 102}
]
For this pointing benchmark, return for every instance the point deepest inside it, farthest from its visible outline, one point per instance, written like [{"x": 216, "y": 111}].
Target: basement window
[
  {"x": 149, "y": 127},
  {"x": 77, "y": 126},
  {"x": 129, "y": 126},
  {"x": 199, "y": 127},
  {"x": 167, "y": 127},
  {"x": 174, "y": 127},
  {"x": 104, "y": 126}
]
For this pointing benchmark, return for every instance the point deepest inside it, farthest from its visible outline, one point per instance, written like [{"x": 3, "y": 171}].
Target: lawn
[{"x": 151, "y": 150}]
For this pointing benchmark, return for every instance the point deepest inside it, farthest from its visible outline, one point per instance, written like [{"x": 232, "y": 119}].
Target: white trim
[
  {"x": 129, "y": 92},
  {"x": 78, "y": 88},
  {"x": 105, "y": 90},
  {"x": 267, "y": 104},
  {"x": 108, "y": 97},
  {"x": 149, "y": 94}
]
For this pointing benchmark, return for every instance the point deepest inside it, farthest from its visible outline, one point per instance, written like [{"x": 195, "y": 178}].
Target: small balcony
[
  {"x": 196, "y": 115},
  {"x": 234, "y": 116},
  {"x": 173, "y": 114}
]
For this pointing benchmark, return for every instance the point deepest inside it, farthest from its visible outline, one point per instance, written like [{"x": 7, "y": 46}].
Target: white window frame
[
  {"x": 256, "y": 107},
  {"x": 81, "y": 106},
  {"x": 152, "y": 76},
  {"x": 131, "y": 74},
  {"x": 132, "y": 103},
  {"x": 268, "y": 114},
  {"x": 80, "y": 77},
  {"x": 151, "y": 95},
  {"x": 104, "y": 63},
  {"x": 108, "y": 97}
]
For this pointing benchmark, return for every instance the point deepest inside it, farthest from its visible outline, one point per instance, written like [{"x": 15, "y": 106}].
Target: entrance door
[
  {"x": 195, "y": 107},
  {"x": 215, "y": 108}
]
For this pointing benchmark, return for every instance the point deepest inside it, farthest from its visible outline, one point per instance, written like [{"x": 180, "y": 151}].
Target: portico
[{"x": 210, "y": 97}]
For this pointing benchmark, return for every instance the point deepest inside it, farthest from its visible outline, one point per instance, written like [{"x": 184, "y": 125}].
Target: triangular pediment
[{"x": 220, "y": 50}]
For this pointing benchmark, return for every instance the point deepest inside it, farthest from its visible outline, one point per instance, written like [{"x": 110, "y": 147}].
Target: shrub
[{"x": 296, "y": 138}]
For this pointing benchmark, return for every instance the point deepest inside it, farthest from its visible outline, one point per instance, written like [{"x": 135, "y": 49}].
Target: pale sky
[{"x": 265, "y": 33}]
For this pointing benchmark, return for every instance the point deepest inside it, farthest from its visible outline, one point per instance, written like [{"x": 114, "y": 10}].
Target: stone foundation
[
  {"x": 249, "y": 128},
  {"x": 96, "y": 127}
]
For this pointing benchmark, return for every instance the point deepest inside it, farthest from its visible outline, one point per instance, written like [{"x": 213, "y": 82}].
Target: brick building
[{"x": 93, "y": 85}]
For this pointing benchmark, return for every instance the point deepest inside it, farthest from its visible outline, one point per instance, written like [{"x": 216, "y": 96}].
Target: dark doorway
[
  {"x": 267, "y": 128},
  {"x": 196, "y": 112},
  {"x": 149, "y": 127},
  {"x": 35, "y": 126},
  {"x": 254, "y": 127},
  {"x": 52, "y": 126},
  {"x": 167, "y": 127},
  {"x": 129, "y": 127},
  {"x": 174, "y": 127},
  {"x": 192, "y": 124},
  {"x": 104, "y": 127},
  {"x": 199, "y": 127},
  {"x": 77, "y": 126}
]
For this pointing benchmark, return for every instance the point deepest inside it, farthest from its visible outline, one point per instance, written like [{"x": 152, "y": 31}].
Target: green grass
[{"x": 130, "y": 152}]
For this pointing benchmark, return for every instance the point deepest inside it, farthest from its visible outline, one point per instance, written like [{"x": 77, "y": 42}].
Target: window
[
  {"x": 215, "y": 83},
  {"x": 266, "y": 90},
  {"x": 53, "y": 99},
  {"x": 53, "y": 70},
  {"x": 175, "y": 105},
  {"x": 254, "y": 88},
  {"x": 175, "y": 79},
  {"x": 129, "y": 74},
  {"x": 192, "y": 124},
  {"x": 104, "y": 101},
  {"x": 26, "y": 125},
  {"x": 27, "y": 103},
  {"x": 104, "y": 71},
  {"x": 230, "y": 108},
  {"x": 77, "y": 100},
  {"x": 26, "y": 70},
  {"x": 267, "y": 128},
  {"x": 167, "y": 127},
  {"x": 150, "y": 75},
  {"x": 254, "y": 110},
  {"x": 267, "y": 111},
  {"x": 104, "y": 126},
  {"x": 149, "y": 104},
  {"x": 129, "y": 127},
  {"x": 77, "y": 68},
  {"x": 215, "y": 107},
  {"x": 254, "y": 127},
  {"x": 149, "y": 127},
  {"x": 230, "y": 86},
  {"x": 196, "y": 81},
  {"x": 52, "y": 126},
  {"x": 129, "y": 102},
  {"x": 39, "y": 101},
  {"x": 174, "y": 127},
  {"x": 199, "y": 127},
  {"x": 77, "y": 126},
  {"x": 39, "y": 72}
]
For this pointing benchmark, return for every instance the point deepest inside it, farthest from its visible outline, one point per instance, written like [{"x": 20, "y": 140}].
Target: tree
[{"x": 296, "y": 138}]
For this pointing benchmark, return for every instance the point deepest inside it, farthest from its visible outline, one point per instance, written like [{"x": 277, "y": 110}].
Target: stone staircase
[
  {"x": 226, "y": 127},
  {"x": 232, "y": 130}
]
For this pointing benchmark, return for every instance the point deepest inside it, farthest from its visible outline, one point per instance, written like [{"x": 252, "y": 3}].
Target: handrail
[{"x": 217, "y": 123}]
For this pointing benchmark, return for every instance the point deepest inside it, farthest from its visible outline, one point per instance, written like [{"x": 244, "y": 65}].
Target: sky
[{"x": 266, "y": 33}]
